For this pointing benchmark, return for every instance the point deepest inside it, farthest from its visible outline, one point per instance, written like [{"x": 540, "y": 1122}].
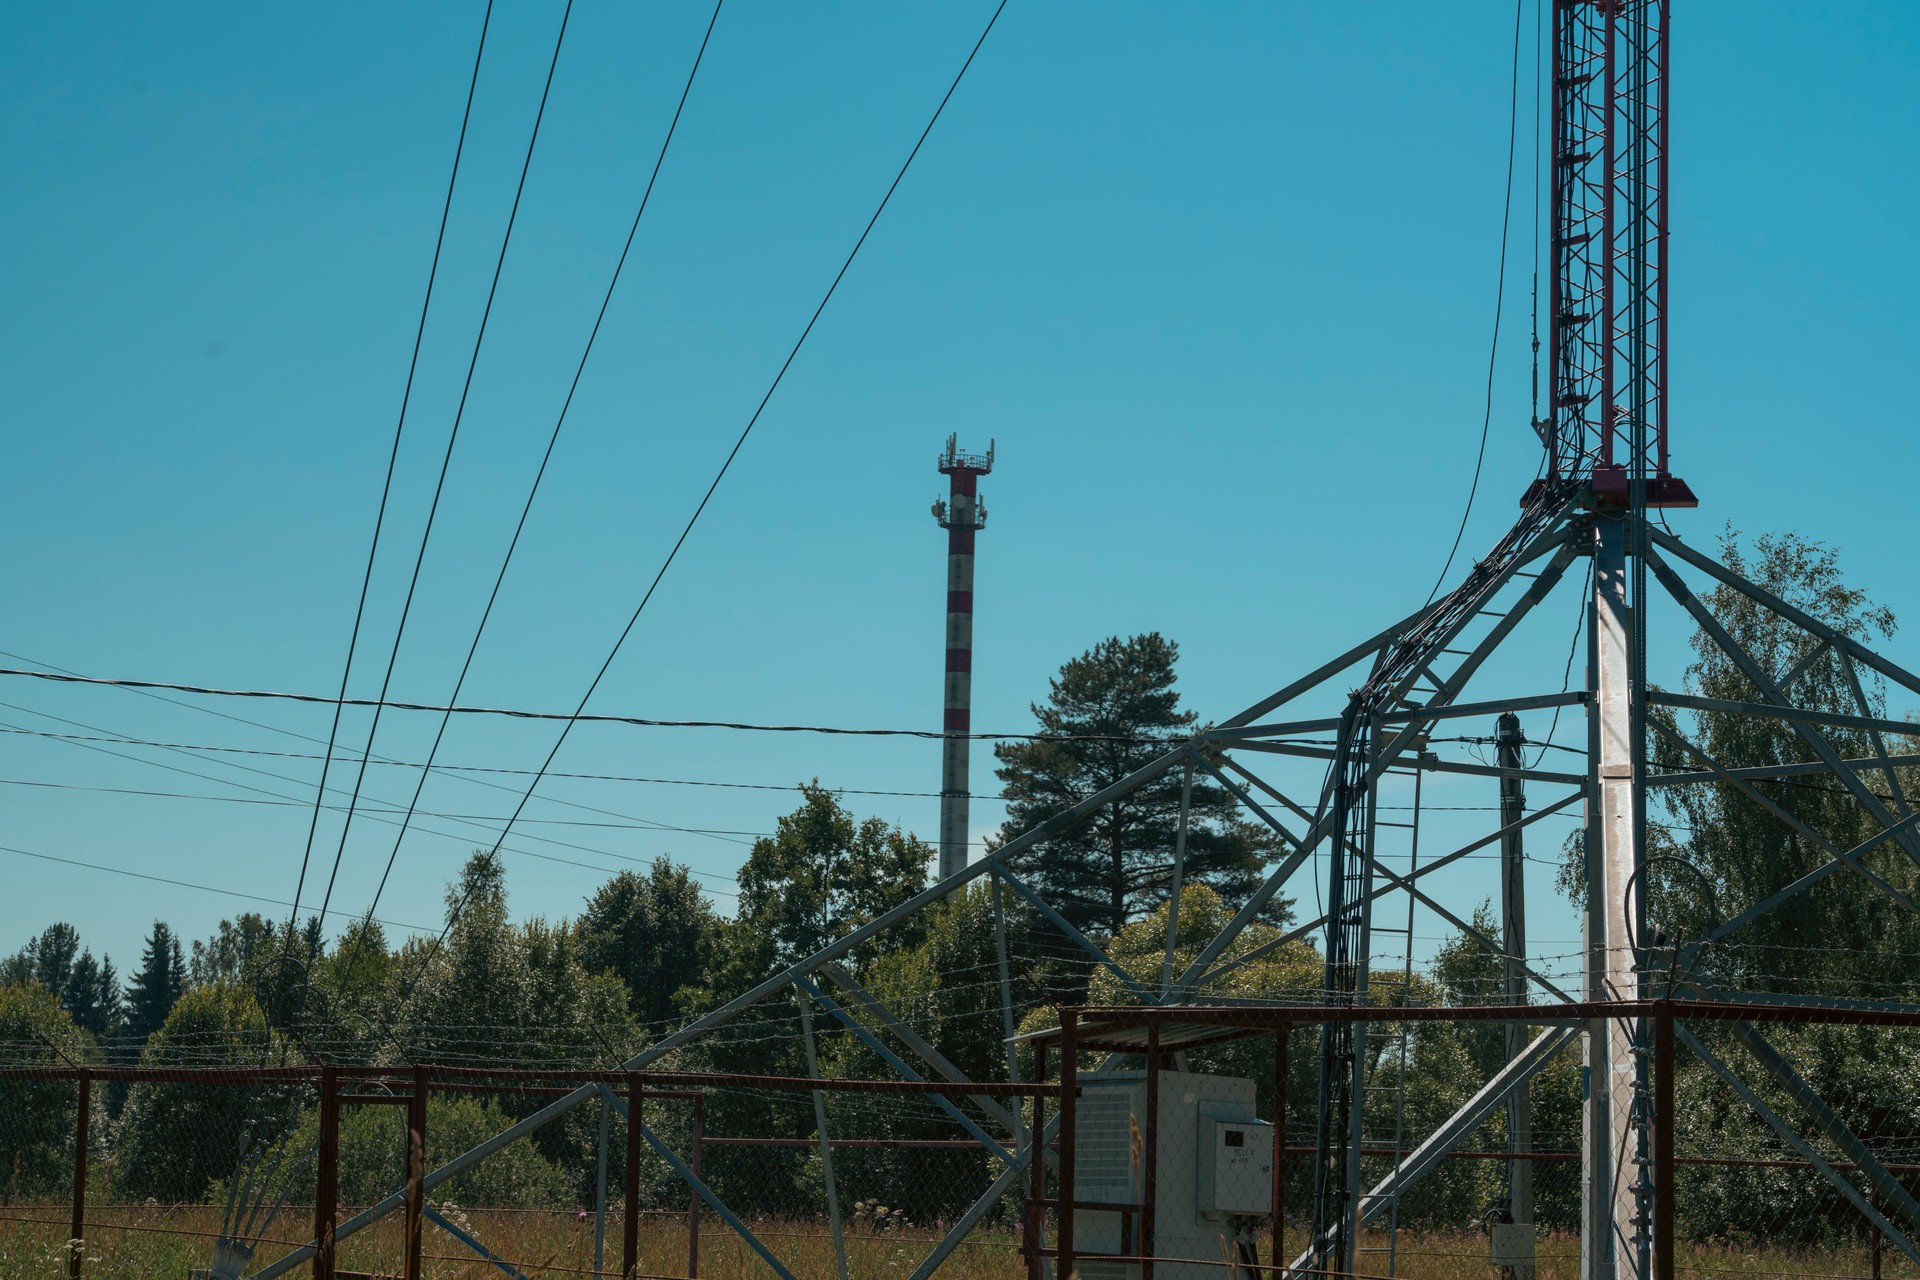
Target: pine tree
[
  {"x": 93, "y": 995},
  {"x": 1111, "y": 710},
  {"x": 88, "y": 989},
  {"x": 157, "y": 987}
]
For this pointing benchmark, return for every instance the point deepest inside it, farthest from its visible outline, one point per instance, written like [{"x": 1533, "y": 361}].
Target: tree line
[{"x": 648, "y": 951}]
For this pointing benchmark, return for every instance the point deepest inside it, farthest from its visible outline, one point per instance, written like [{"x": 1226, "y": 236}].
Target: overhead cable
[
  {"x": 454, "y": 914},
  {"x": 456, "y": 769},
  {"x": 446, "y": 716},
  {"x": 1499, "y": 308},
  {"x": 182, "y": 884},
  {"x": 446, "y": 459},
  {"x": 573, "y": 717},
  {"x": 393, "y": 455}
]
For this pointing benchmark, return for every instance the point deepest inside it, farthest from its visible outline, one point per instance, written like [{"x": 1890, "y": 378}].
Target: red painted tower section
[{"x": 962, "y": 515}]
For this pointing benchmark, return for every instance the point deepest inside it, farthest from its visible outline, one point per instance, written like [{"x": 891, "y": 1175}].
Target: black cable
[
  {"x": 61, "y": 677},
  {"x": 445, "y": 769},
  {"x": 513, "y": 544},
  {"x": 188, "y": 750},
  {"x": 183, "y": 884},
  {"x": 1566, "y": 676},
  {"x": 386, "y": 488},
  {"x": 1534, "y": 306},
  {"x": 1499, "y": 308},
  {"x": 454, "y": 914},
  {"x": 446, "y": 459},
  {"x": 278, "y": 796}
]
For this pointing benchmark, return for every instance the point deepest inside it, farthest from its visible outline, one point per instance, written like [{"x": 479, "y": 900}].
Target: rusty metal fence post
[
  {"x": 82, "y": 1122},
  {"x": 1149, "y": 1157},
  {"x": 1664, "y": 1243},
  {"x": 698, "y": 1141},
  {"x": 1033, "y": 1236},
  {"x": 416, "y": 1172},
  {"x": 1069, "y": 1111},
  {"x": 326, "y": 1175},
  {"x": 630, "y": 1222},
  {"x": 1279, "y": 1150}
]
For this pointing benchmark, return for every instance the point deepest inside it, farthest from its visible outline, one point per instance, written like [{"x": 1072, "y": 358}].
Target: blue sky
[{"x": 1218, "y": 279}]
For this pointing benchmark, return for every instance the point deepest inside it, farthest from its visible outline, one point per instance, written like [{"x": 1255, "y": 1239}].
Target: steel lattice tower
[{"x": 1606, "y": 464}]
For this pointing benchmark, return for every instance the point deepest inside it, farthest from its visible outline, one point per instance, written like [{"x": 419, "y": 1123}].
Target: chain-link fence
[
  {"x": 1731, "y": 1138},
  {"x": 355, "y": 1172},
  {"x": 1748, "y": 1139}
]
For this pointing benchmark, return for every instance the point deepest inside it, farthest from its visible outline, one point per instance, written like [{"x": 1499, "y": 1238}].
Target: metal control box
[
  {"x": 1235, "y": 1167},
  {"x": 1189, "y": 1239}
]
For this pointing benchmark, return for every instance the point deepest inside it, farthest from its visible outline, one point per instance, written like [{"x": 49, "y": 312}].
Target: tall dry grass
[{"x": 154, "y": 1242}]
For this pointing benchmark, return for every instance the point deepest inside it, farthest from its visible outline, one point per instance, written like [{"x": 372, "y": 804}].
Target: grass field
[{"x": 168, "y": 1243}]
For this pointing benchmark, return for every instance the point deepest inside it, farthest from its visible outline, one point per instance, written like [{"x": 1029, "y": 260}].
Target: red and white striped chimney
[{"x": 961, "y": 515}]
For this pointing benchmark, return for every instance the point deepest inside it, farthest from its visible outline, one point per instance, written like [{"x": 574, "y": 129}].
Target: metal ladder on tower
[{"x": 1391, "y": 1065}]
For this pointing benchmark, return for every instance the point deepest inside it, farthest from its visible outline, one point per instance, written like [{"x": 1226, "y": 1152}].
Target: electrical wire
[
  {"x": 453, "y": 915},
  {"x": 446, "y": 717},
  {"x": 393, "y": 456},
  {"x": 1499, "y": 309},
  {"x": 182, "y": 884},
  {"x": 82, "y": 740},
  {"x": 575, "y": 717},
  {"x": 446, "y": 459},
  {"x": 454, "y": 769},
  {"x": 1566, "y": 676},
  {"x": 448, "y": 835}
]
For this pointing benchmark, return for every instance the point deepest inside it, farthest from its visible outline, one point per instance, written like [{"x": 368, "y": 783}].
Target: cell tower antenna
[{"x": 962, "y": 514}]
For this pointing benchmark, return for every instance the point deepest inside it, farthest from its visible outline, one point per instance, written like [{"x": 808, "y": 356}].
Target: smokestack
[{"x": 961, "y": 515}]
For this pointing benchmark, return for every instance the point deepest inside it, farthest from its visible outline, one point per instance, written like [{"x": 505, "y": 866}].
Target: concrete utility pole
[
  {"x": 1509, "y": 741},
  {"x": 1614, "y": 1237},
  {"x": 961, "y": 515}
]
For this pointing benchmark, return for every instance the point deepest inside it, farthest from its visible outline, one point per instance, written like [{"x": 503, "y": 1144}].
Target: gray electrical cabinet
[
  {"x": 1236, "y": 1167},
  {"x": 1214, "y": 1165}
]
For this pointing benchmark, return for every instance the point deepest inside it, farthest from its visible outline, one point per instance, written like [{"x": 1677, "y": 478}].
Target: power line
[
  {"x": 371, "y": 809},
  {"x": 447, "y": 835},
  {"x": 281, "y": 777},
  {"x": 540, "y": 474},
  {"x": 567, "y": 728},
  {"x": 571, "y": 718},
  {"x": 446, "y": 769},
  {"x": 182, "y": 884},
  {"x": 393, "y": 456},
  {"x": 453, "y": 435},
  {"x": 1499, "y": 307}
]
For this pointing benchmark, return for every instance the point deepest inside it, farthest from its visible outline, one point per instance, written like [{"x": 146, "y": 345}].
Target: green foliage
[
  {"x": 1737, "y": 851},
  {"x": 174, "y": 1140},
  {"x": 1108, "y": 713},
  {"x": 1289, "y": 974},
  {"x": 947, "y": 989},
  {"x": 233, "y": 953},
  {"x": 506, "y": 994},
  {"x": 373, "y": 1155},
  {"x": 654, "y": 932},
  {"x": 37, "y": 1117},
  {"x": 157, "y": 984},
  {"x": 820, "y": 876},
  {"x": 88, "y": 989}
]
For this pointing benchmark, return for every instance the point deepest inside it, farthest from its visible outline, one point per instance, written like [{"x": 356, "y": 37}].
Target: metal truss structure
[
  {"x": 1316, "y": 774},
  {"x": 1322, "y": 761}
]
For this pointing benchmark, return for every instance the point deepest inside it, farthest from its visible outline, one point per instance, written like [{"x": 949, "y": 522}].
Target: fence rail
[{"x": 341, "y": 1171}]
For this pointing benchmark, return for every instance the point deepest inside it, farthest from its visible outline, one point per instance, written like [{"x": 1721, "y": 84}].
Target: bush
[
  {"x": 175, "y": 1140},
  {"x": 37, "y": 1117},
  {"x": 373, "y": 1155}
]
